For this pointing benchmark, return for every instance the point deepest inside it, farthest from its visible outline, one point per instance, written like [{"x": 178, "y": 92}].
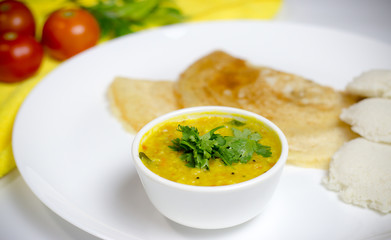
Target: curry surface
[{"x": 166, "y": 163}]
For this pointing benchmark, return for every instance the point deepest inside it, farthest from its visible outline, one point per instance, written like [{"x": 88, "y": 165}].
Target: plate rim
[{"x": 86, "y": 226}]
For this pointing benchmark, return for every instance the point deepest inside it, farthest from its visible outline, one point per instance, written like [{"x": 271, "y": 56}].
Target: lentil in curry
[{"x": 165, "y": 162}]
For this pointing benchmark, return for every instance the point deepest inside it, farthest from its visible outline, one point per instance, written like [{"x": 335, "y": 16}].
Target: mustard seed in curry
[{"x": 210, "y": 150}]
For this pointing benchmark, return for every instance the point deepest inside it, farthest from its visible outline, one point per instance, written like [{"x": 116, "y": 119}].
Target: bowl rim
[{"x": 140, "y": 167}]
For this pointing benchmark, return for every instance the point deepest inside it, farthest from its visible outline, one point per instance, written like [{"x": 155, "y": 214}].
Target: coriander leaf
[
  {"x": 241, "y": 146},
  {"x": 246, "y": 133},
  {"x": 188, "y": 158},
  {"x": 255, "y": 136},
  {"x": 208, "y": 142},
  {"x": 237, "y": 123},
  {"x": 224, "y": 156},
  {"x": 144, "y": 157},
  {"x": 211, "y": 133},
  {"x": 220, "y": 140},
  {"x": 264, "y": 151},
  {"x": 201, "y": 161},
  {"x": 176, "y": 144},
  {"x": 189, "y": 133},
  {"x": 198, "y": 150},
  {"x": 235, "y": 150}
]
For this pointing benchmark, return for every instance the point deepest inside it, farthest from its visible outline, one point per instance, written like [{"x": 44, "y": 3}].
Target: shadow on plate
[{"x": 140, "y": 214}]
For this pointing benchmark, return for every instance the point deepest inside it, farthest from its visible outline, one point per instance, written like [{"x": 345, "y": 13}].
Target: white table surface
[{"x": 23, "y": 216}]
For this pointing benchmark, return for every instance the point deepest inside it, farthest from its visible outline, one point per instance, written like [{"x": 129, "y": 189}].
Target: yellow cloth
[
  {"x": 201, "y": 10},
  {"x": 13, "y": 95}
]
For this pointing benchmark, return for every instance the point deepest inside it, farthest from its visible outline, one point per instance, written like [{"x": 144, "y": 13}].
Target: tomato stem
[
  {"x": 9, "y": 36},
  {"x": 5, "y": 7},
  {"x": 68, "y": 13}
]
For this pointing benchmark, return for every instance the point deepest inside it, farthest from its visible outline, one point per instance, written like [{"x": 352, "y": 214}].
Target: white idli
[
  {"x": 374, "y": 83},
  {"x": 361, "y": 172},
  {"x": 371, "y": 118}
]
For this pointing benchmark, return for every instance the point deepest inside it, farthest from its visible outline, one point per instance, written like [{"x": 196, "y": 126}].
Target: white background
[{"x": 23, "y": 216}]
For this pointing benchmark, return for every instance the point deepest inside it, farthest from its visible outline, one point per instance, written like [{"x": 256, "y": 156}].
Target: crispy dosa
[
  {"x": 136, "y": 102},
  {"x": 307, "y": 113}
]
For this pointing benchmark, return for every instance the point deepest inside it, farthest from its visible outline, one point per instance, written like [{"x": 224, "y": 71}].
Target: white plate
[{"x": 75, "y": 156}]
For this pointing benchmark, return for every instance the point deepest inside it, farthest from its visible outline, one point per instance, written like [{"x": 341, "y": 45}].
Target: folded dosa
[
  {"x": 135, "y": 102},
  {"x": 307, "y": 113}
]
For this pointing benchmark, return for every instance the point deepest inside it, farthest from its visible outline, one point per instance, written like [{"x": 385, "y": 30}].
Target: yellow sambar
[{"x": 166, "y": 162}]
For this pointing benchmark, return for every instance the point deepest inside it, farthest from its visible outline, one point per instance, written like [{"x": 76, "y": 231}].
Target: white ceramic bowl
[{"x": 210, "y": 207}]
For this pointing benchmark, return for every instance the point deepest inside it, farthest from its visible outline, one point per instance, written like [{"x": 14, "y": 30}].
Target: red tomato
[
  {"x": 16, "y": 17},
  {"x": 20, "y": 56},
  {"x": 67, "y": 32}
]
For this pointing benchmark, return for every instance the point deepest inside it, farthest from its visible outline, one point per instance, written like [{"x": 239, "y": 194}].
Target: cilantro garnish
[
  {"x": 236, "y": 123},
  {"x": 144, "y": 157},
  {"x": 198, "y": 150}
]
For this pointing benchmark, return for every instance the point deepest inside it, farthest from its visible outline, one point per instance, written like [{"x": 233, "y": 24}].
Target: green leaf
[
  {"x": 137, "y": 10},
  {"x": 189, "y": 159},
  {"x": 241, "y": 146},
  {"x": 236, "y": 123},
  {"x": 144, "y": 157},
  {"x": 165, "y": 16},
  {"x": 264, "y": 151},
  {"x": 198, "y": 150},
  {"x": 120, "y": 17}
]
